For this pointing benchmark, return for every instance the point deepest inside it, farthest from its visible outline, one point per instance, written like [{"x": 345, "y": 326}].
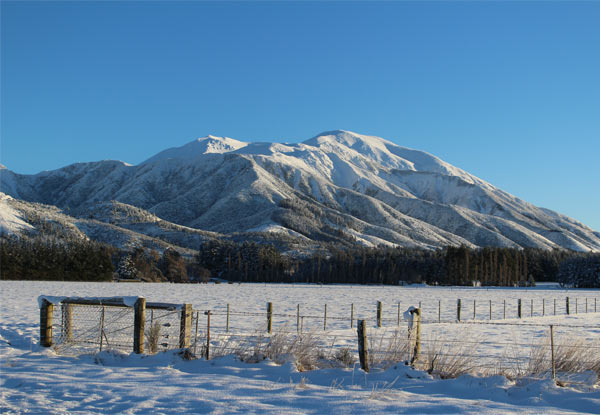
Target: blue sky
[{"x": 509, "y": 91}]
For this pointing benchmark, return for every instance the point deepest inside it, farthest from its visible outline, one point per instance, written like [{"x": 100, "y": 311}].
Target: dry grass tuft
[
  {"x": 448, "y": 360},
  {"x": 386, "y": 351},
  {"x": 153, "y": 336}
]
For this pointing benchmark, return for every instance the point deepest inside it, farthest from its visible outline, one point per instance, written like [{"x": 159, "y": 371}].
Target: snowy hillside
[{"x": 337, "y": 186}]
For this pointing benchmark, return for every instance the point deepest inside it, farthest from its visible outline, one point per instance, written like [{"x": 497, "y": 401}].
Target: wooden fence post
[
  {"x": 490, "y": 309},
  {"x": 185, "y": 327},
  {"x": 576, "y": 305},
  {"x": 531, "y": 311},
  {"x": 474, "y": 309},
  {"x": 552, "y": 351},
  {"x": 417, "y": 349},
  {"x": 101, "y": 334},
  {"x": 379, "y": 313},
  {"x": 352, "y": 315},
  {"x": 46, "y": 310},
  {"x": 207, "y": 334},
  {"x": 439, "y": 311},
  {"x": 519, "y": 308},
  {"x": 398, "y": 314},
  {"x": 543, "y": 307},
  {"x": 504, "y": 310},
  {"x": 227, "y": 321},
  {"x": 458, "y": 309},
  {"x": 325, "y": 318},
  {"x": 139, "y": 323},
  {"x": 298, "y": 318},
  {"x": 269, "y": 317},
  {"x": 567, "y": 306},
  {"x": 363, "y": 353},
  {"x": 555, "y": 306}
]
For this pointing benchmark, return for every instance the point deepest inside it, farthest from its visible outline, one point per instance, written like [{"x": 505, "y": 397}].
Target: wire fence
[
  {"x": 514, "y": 347},
  {"x": 443, "y": 347},
  {"x": 331, "y": 317}
]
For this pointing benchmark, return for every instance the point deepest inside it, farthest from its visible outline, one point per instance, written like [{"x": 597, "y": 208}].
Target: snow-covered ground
[{"x": 37, "y": 380}]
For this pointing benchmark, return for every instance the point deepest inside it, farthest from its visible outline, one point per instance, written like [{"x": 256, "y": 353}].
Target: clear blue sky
[{"x": 509, "y": 91}]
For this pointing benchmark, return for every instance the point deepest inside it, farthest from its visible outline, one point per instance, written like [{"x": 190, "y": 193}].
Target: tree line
[
  {"x": 54, "y": 259},
  {"x": 249, "y": 262}
]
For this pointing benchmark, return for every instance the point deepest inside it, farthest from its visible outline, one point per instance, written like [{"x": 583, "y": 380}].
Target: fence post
[
  {"x": 458, "y": 309},
  {"x": 46, "y": 310},
  {"x": 298, "y": 318},
  {"x": 417, "y": 349},
  {"x": 227, "y": 321},
  {"x": 490, "y": 309},
  {"x": 102, "y": 328},
  {"x": 398, "y": 314},
  {"x": 531, "y": 311},
  {"x": 269, "y": 317},
  {"x": 439, "y": 311},
  {"x": 207, "y": 334},
  {"x": 543, "y": 307},
  {"x": 567, "y": 306},
  {"x": 552, "y": 352},
  {"x": 504, "y": 310},
  {"x": 555, "y": 306},
  {"x": 519, "y": 308},
  {"x": 352, "y": 315},
  {"x": 379, "y": 313},
  {"x": 576, "y": 304},
  {"x": 325, "y": 318},
  {"x": 474, "y": 309},
  {"x": 185, "y": 328},
  {"x": 139, "y": 323},
  {"x": 363, "y": 353},
  {"x": 586, "y": 304}
]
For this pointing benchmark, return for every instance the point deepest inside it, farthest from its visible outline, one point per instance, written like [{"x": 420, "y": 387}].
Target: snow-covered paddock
[{"x": 36, "y": 380}]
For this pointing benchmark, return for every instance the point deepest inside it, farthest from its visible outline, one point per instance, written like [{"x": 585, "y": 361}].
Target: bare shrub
[
  {"x": 153, "y": 336},
  {"x": 449, "y": 359},
  {"x": 570, "y": 356},
  {"x": 282, "y": 346},
  {"x": 386, "y": 351},
  {"x": 345, "y": 356}
]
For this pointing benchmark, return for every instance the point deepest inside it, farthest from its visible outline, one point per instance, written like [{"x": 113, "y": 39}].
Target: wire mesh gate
[{"x": 87, "y": 325}]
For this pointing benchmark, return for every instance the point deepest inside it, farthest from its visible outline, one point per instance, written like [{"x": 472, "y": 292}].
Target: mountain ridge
[{"x": 338, "y": 186}]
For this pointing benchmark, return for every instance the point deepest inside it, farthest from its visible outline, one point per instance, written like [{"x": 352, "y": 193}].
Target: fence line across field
[
  {"x": 462, "y": 312},
  {"x": 75, "y": 325}
]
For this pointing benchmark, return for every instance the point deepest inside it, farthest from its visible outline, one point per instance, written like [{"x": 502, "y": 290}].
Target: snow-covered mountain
[{"x": 338, "y": 186}]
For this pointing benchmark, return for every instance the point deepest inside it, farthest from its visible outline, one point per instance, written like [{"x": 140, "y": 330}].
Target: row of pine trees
[{"x": 54, "y": 259}]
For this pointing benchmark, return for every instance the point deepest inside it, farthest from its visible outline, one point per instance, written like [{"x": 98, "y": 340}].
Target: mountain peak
[
  {"x": 347, "y": 138},
  {"x": 203, "y": 145}
]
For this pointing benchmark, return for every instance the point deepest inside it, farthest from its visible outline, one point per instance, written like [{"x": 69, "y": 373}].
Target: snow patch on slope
[{"x": 11, "y": 221}]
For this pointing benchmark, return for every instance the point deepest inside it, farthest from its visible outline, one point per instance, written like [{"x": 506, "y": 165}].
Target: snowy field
[{"x": 39, "y": 381}]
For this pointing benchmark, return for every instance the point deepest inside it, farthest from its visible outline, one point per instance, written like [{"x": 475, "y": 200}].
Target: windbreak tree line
[
  {"x": 249, "y": 262},
  {"x": 43, "y": 258},
  {"x": 54, "y": 259}
]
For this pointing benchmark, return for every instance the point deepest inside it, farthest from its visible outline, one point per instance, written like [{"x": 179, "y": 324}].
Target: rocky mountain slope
[{"x": 338, "y": 186}]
